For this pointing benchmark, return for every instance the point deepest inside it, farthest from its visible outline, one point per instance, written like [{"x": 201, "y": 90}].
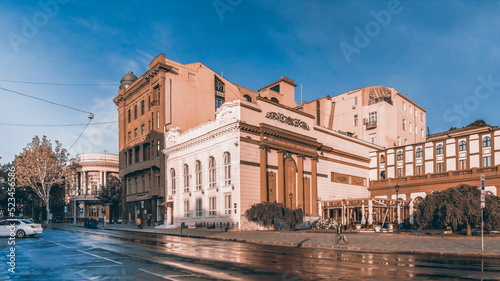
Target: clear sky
[{"x": 444, "y": 55}]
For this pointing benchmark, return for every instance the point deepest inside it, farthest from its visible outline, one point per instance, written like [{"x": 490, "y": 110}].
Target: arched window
[
  {"x": 248, "y": 98},
  {"x": 462, "y": 146},
  {"x": 382, "y": 158},
  {"x": 486, "y": 141},
  {"x": 400, "y": 155},
  {"x": 419, "y": 152},
  {"x": 198, "y": 175},
  {"x": 212, "y": 176},
  {"x": 439, "y": 149},
  {"x": 227, "y": 168},
  {"x": 275, "y": 100},
  {"x": 129, "y": 115},
  {"x": 186, "y": 177},
  {"x": 172, "y": 181}
]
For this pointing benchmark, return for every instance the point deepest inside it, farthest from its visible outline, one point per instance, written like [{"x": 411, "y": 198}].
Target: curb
[{"x": 313, "y": 246}]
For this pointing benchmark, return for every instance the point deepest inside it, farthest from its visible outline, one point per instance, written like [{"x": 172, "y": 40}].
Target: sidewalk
[{"x": 408, "y": 242}]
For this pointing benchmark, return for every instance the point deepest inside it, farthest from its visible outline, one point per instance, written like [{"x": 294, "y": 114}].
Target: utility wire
[
  {"x": 91, "y": 116},
  {"x": 55, "y": 125},
  {"x": 44, "y": 100},
  {"x": 60, "y": 84}
]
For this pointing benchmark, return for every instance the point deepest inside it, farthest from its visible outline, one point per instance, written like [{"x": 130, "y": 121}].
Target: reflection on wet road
[{"x": 203, "y": 258}]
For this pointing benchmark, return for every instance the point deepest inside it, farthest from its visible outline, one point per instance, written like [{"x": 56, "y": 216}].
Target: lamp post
[
  {"x": 290, "y": 196},
  {"x": 397, "y": 207}
]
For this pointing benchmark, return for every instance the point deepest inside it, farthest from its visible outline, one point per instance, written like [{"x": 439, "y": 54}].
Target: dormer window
[
  {"x": 276, "y": 88},
  {"x": 275, "y": 100}
]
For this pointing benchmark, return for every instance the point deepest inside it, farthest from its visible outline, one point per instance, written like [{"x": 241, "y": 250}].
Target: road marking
[
  {"x": 156, "y": 274},
  {"x": 98, "y": 256}
]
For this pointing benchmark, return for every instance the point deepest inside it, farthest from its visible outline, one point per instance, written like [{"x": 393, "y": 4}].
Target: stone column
[
  {"x": 264, "y": 190},
  {"x": 300, "y": 184},
  {"x": 280, "y": 195},
  {"x": 314, "y": 184}
]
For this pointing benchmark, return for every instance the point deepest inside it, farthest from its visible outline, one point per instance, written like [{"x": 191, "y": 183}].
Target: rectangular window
[
  {"x": 418, "y": 170},
  {"x": 355, "y": 120},
  {"x": 404, "y": 124},
  {"x": 440, "y": 167},
  {"x": 220, "y": 92},
  {"x": 373, "y": 138},
  {"x": 399, "y": 172},
  {"x": 411, "y": 109},
  {"x": 399, "y": 141},
  {"x": 143, "y": 180},
  {"x": 403, "y": 105},
  {"x": 422, "y": 133},
  {"x": 186, "y": 209},
  {"x": 143, "y": 129},
  {"x": 199, "y": 207},
  {"x": 372, "y": 118},
  {"x": 462, "y": 164},
  {"x": 158, "y": 120},
  {"x": 227, "y": 204},
  {"x": 422, "y": 117},
  {"x": 486, "y": 161},
  {"x": 212, "y": 206},
  {"x": 355, "y": 101},
  {"x": 129, "y": 135},
  {"x": 136, "y": 132},
  {"x": 411, "y": 128},
  {"x": 143, "y": 109}
]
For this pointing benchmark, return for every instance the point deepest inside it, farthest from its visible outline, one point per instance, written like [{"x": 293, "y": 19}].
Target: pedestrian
[
  {"x": 138, "y": 222},
  {"x": 149, "y": 219}
]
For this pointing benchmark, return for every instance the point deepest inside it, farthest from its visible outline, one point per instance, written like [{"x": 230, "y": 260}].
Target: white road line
[
  {"x": 156, "y": 274},
  {"x": 98, "y": 256}
]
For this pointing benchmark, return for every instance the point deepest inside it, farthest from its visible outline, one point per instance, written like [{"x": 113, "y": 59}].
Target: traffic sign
[{"x": 483, "y": 199}]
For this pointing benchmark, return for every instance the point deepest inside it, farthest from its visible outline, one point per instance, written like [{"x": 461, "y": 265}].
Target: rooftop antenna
[{"x": 222, "y": 74}]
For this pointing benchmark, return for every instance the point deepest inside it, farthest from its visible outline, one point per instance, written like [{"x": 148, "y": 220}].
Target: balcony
[{"x": 370, "y": 124}]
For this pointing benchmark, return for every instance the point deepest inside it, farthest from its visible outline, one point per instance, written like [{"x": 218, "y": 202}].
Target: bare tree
[{"x": 41, "y": 167}]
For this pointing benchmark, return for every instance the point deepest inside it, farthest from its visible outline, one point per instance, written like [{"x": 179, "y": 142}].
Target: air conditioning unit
[{"x": 365, "y": 121}]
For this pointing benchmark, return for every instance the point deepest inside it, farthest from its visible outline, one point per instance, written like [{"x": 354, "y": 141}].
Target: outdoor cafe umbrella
[
  {"x": 370, "y": 212},
  {"x": 363, "y": 217}
]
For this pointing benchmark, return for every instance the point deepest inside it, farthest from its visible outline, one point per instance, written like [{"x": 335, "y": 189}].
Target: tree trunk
[
  {"x": 469, "y": 230},
  {"x": 47, "y": 208}
]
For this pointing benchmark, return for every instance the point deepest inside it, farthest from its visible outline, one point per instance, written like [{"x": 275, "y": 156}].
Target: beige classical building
[
  {"x": 378, "y": 114},
  {"x": 91, "y": 175},
  {"x": 445, "y": 160}
]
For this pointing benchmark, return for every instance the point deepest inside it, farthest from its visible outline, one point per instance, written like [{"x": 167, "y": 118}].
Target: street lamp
[
  {"x": 397, "y": 207},
  {"x": 290, "y": 196}
]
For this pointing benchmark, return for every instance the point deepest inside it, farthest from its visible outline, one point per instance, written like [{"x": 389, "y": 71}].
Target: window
[
  {"x": 373, "y": 138},
  {"x": 355, "y": 120},
  {"x": 400, "y": 155},
  {"x": 212, "y": 179},
  {"x": 142, "y": 108},
  {"x": 129, "y": 116},
  {"x": 129, "y": 135},
  {"x": 462, "y": 164},
  {"x": 186, "y": 177},
  {"x": 404, "y": 124},
  {"x": 439, "y": 149},
  {"x": 440, "y": 167},
  {"x": 486, "y": 141},
  {"x": 399, "y": 141},
  {"x": 227, "y": 204},
  {"x": 199, "y": 207},
  {"x": 158, "y": 120},
  {"x": 372, "y": 117},
  {"x": 275, "y": 100},
  {"x": 399, "y": 172},
  {"x": 403, "y": 105},
  {"x": 486, "y": 161},
  {"x": 422, "y": 135},
  {"x": 198, "y": 175},
  {"x": 418, "y": 154},
  {"x": 418, "y": 170},
  {"x": 136, "y": 132},
  {"x": 422, "y": 117},
  {"x": 227, "y": 168},
  {"x": 411, "y": 128},
  {"x": 143, "y": 129},
  {"x": 220, "y": 95},
  {"x": 186, "y": 209},
  {"x": 135, "y": 111},
  {"x": 212, "y": 206},
  {"x": 411, "y": 109},
  {"x": 462, "y": 146},
  {"x": 416, "y": 130},
  {"x": 173, "y": 183},
  {"x": 355, "y": 101},
  {"x": 248, "y": 98}
]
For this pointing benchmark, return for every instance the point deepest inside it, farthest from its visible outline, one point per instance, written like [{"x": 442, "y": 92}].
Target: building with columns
[
  {"x": 91, "y": 174},
  {"x": 444, "y": 160}
]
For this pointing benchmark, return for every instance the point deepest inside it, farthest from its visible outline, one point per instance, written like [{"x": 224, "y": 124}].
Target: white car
[{"x": 19, "y": 228}]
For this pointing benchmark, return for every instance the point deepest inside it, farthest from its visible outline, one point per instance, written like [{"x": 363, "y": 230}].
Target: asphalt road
[{"x": 80, "y": 254}]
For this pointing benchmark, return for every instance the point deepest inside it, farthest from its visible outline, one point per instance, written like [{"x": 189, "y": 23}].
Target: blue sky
[{"x": 443, "y": 54}]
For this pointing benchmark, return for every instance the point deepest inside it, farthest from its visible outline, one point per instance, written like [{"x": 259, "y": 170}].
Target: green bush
[{"x": 269, "y": 214}]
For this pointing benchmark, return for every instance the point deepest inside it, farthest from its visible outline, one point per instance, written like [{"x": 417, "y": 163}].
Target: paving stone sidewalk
[{"x": 407, "y": 242}]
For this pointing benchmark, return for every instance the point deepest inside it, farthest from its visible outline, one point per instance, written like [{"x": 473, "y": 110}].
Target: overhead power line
[
  {"x": 60, "y": 84},
  {"x": 44, "y": 100},
  {"x": 54, "y": 125}
]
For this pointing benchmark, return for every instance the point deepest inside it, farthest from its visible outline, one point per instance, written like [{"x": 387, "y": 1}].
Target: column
[
  {"x": 264, "y": 190},
  {"x": 300, "y": 184},
  {"x": 314, "y": 184},
  {"x": 280, "y": 195}
]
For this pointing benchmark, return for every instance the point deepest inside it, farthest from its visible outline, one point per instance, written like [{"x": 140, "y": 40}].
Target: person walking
[{"x": 138, "y": 222}]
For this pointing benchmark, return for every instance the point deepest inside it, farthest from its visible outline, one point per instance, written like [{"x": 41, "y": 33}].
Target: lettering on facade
[
  {"x": 290, "y": 145},
  {"x": 348, "y": 179},
  {"x": 287, "y": 120}
]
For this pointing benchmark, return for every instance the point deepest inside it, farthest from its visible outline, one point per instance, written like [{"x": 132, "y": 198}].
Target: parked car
[{"x": 19, "y": 227}]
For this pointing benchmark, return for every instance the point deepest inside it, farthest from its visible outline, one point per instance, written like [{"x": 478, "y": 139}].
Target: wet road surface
[{"x": 80, "y": 254}]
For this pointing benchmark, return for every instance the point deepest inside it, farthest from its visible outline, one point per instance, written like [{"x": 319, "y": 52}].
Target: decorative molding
[{"x": 287, "y": 120}]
